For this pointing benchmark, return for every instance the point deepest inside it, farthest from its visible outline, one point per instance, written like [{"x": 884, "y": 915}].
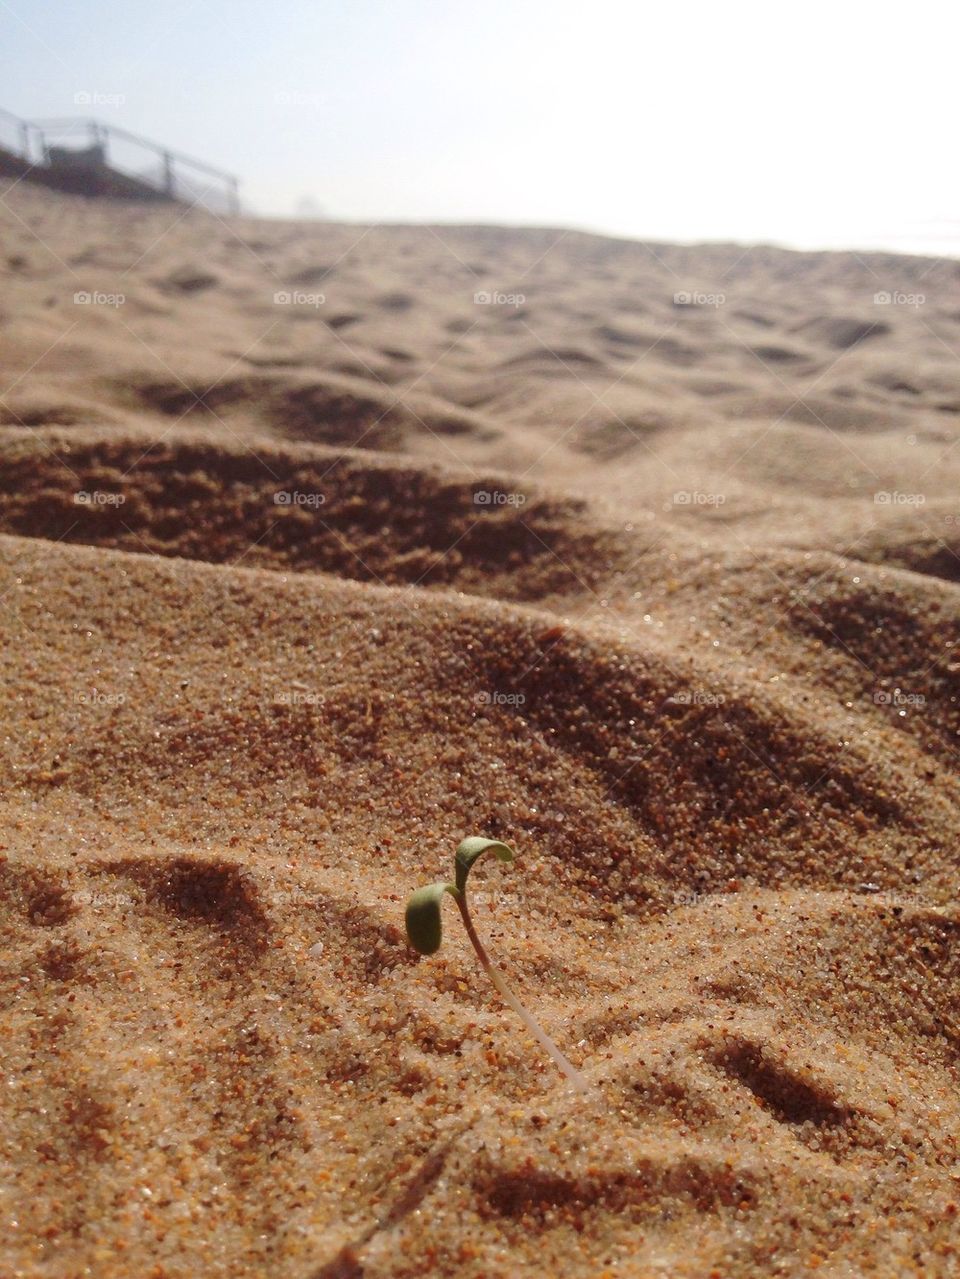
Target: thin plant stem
[{"x": 509, "y": 998}]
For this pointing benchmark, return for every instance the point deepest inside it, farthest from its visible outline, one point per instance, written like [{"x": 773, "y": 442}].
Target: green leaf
[
  {"x": 471, "y": 849},
  {"x": 423, "y": 917}
]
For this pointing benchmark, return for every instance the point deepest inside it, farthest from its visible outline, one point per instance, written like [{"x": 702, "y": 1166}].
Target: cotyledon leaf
[
  {"x": 423, "y": 917},
  {"x": 470, "y": 849}
]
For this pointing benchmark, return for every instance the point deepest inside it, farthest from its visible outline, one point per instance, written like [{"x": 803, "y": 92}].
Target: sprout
[{"x": 425, "y": 932}]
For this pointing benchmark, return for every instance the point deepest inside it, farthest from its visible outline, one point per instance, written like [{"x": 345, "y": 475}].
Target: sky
[{"x": 824, "y": 125}]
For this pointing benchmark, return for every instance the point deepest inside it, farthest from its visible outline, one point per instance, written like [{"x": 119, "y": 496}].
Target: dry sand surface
[{"x": 697, "y": 658}]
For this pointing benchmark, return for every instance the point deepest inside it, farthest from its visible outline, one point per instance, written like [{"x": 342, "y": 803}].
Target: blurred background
[{"x": 824, "y": 125}]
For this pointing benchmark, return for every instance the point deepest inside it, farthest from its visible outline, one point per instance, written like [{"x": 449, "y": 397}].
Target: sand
[{"x": 295, "y": 594}]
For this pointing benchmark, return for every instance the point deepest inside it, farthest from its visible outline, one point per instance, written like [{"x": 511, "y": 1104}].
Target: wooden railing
[{"x": 89, "y": 145}]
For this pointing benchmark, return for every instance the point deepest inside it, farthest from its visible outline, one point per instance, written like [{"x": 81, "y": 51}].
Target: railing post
[
  {"x": 234, "y": 195},
  {"x": 168, "y": 181},
  {"x": 99, "y": 133}
]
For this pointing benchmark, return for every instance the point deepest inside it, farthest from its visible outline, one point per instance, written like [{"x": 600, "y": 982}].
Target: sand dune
[{"x": 646, "y": 564}]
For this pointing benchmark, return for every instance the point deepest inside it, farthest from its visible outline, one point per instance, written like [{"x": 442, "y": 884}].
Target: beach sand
[{"x": 312, "y": 564}]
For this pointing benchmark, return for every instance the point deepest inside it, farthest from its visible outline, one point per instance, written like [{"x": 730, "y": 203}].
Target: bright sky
[{"x": 814, "y": 124}]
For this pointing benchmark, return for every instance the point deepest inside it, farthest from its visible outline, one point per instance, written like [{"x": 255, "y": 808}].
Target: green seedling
[{"x": 425, "y": 932}]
